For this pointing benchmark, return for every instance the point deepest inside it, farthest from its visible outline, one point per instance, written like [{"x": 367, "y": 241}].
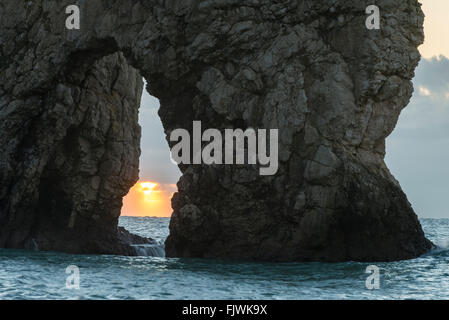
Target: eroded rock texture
[{"x": 310, "y": 68}]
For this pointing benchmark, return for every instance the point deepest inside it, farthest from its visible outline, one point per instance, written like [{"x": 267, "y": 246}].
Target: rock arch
[{"x": 70, "y": 139}]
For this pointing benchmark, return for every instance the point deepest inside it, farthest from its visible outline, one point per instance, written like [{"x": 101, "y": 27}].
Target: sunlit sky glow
[
  {"x": 417, "y": 151},
  {"x": 148, "y": 198},
  {"x": 436, "y": 28}
]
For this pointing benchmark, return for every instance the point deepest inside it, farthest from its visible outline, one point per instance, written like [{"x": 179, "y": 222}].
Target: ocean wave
[{"x": 150, "y": 250}]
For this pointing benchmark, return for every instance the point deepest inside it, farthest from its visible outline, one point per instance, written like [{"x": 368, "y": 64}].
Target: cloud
[
  {"x": 424, "y": 91},
  {"x": 433, "y": 73}
]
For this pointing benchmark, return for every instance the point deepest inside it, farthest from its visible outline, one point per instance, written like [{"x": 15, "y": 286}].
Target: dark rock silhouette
[{"x": 70, "y": 138}]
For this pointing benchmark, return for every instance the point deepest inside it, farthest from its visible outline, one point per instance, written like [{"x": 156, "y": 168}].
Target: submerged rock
[{"x": 70, "y": 138}]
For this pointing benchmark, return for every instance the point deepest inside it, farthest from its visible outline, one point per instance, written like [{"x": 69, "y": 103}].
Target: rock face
[{"x": 70, "y": 138}]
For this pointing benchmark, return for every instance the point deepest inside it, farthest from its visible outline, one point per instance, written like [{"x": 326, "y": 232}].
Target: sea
[{"x": 52, "y": 275}]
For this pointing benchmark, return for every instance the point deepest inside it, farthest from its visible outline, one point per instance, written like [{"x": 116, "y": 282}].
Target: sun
[
  {"x": 147, "y": 187},
  {"x": 149, "y": 190},
  {"x": 149, "y": 198}
]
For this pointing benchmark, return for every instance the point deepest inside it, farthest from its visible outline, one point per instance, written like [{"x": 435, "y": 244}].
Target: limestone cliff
[{"x": 70, "y": 139}]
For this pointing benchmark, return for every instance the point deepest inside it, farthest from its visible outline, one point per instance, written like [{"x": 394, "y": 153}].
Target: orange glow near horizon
[{"x": 149, "y": 199}]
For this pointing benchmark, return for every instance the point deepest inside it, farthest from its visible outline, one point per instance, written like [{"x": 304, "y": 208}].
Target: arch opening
[{"x": 158, "y": 175}]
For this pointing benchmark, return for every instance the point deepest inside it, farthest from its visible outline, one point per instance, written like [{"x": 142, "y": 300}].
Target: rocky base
[
  {"x": 360, "y": 216},
  {"x": 111, "y": 242}
]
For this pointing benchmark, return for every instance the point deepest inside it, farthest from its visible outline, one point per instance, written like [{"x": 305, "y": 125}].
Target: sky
[
  {"x": 151, "y": 196},
  {"x": 417, "y": 150}
]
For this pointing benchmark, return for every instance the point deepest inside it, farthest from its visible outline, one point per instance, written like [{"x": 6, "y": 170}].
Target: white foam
[{"x": 150, "y": 250}]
